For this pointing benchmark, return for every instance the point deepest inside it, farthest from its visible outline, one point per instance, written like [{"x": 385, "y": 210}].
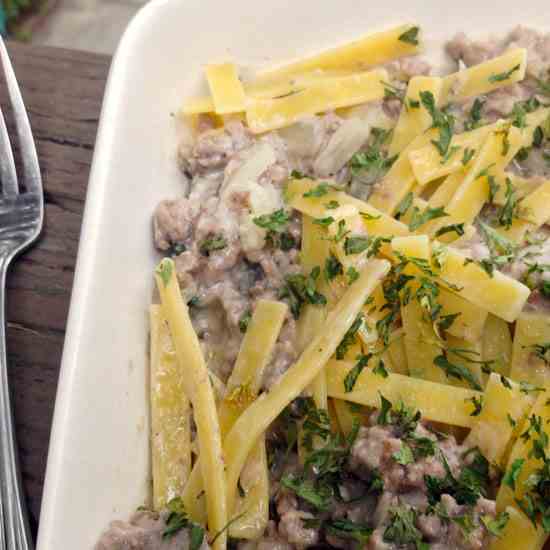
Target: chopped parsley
[
  {"x": 457, "y": 228},
  {"x": 459, "y": 372},
  {"x": 521, "y": 109},
  {"x": 380, "y": 369},
  {"x": 297, "y": 175},
  {"x": 512, "y": 474},
  {"x": 502, "y": 251},
  {"x": 478, "y": 405},
  {"x": 177, "y": 519},
  {"x": 300, "y": 290},
  {"x": 332, "y": 205},
  {"x": 444, "y": 122},
  {"x": 392, "y": 92},
  {"x": 475, "y": 118},
  {"x": 369, "y": 244},
  {"x": 346, "y": 529},
  {"x": 467, "y": 156},
  {"x": 316, "y": 495},
  {"x": 352, "y": 274},
  {"x": 370, "y": 165},
  {"x": 404, "y": 456},
  {"x": 535, "y": 502},
  {"x": 419, "y": 218},
  {"x": 500, "y": 77},
  {"x": 333, "y": 267},
  {"x": 326, "y": 456},
  {"x": 194, "y": 301},
  {"x": 352, "y": 376},
  {"x": 472, "y": 482},
  {"x": 323, "y": 222},
  {"x": 542, "y": 351},
  {"x": 404, "y": 205},
  {"x": 543, "y": 87},
  {"x": 496, "y": 525},
  {"x": 538, "y": 137},
  {"x": 164, "y": 271},
  {"x": 176, "y": 249},
  {"x": 410, "y": 36},
  {"x": 244, "y": 321},
  {"x": 510, "y": 208},
  {"x": 401, "y": 527},
  {"x": 275, "y": 225},
  {"x": 317, "y": 191},
  {"x": 276, "y": 221},
  {"x": 369, "y": 217},
  {"x": 356, "y": 244},
  {"x": 213, "y": 243},
  {"x": 349, "y": 338}
]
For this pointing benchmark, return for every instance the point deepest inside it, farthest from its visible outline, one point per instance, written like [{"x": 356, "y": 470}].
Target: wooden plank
[{"x": 62, "y": 90}]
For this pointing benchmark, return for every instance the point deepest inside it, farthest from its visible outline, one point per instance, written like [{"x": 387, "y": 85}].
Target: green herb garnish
[
  {"x": 410, "y": 36},
  {"x": 500, "y": 77}
]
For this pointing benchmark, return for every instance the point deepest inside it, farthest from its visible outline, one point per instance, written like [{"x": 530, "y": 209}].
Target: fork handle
[{"x": 15, "y": 532}]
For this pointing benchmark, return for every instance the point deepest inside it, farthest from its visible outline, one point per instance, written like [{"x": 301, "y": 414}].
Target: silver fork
[{"x": 21, "y": 216}]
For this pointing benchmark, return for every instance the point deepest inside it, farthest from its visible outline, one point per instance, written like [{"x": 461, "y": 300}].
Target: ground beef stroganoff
[{"x": 394, "y": 214}]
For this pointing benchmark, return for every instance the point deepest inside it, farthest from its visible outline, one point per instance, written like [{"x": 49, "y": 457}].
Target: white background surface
[{"x": 98, "y": 467}]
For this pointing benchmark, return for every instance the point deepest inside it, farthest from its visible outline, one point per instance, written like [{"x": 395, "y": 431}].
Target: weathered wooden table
[{"x": 62, "y": 90}]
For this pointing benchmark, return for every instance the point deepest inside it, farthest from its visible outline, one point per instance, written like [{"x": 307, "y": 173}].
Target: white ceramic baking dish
[{"x": 98, "y": 466}]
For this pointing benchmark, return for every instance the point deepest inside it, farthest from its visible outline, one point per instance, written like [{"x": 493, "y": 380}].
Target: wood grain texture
[{"x": 62, "y": 90}]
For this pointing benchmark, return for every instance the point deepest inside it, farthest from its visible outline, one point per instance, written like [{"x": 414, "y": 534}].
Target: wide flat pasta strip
[
  {"x": 473, "y": 192},
  {"x": 485, "y": 77},
  {"x": 345, "y": 416},
  {"x": 242, "y": 388},
  {"x": 414, "y": 120},
  {"x": 469, "y": 325},
  {"x": 519, "y": 532},
  {"x": 369, "y": 50},
  {"x": 444, "y": 193},
  {"x": 226, "y": 88},
  {"x": 421, "y": 343},
  {"x": 170, "y": 416},
  {"x": 436, "y": 402},
  {"x": 532, "y": 329},
  {"x": 535, "y": 207},
  {"x": 375, "y": 222},
  {"x": 499, "y": 294},
  {"x": 259, "y": 415},
  {"x": 492, "y": 429},
  {"x": 426, "y": 162},
  {"x": 315, "y": 251},
  {"x": 522, "y": 448},
  {"x": 427, "y": 165},
  {"x": 400, "y": 178},
  {"x": 198, "y": 387},
  {"x": 251, "y": 513},
  {"x": 398, "y": 353},
  {"x": 198, "y": 105},
  {"x": 263, "y": 115},
  {"x": 533, "y": 212},
  {"x": 522, "y": 187},
  {"x": 497, "y": 345}
]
